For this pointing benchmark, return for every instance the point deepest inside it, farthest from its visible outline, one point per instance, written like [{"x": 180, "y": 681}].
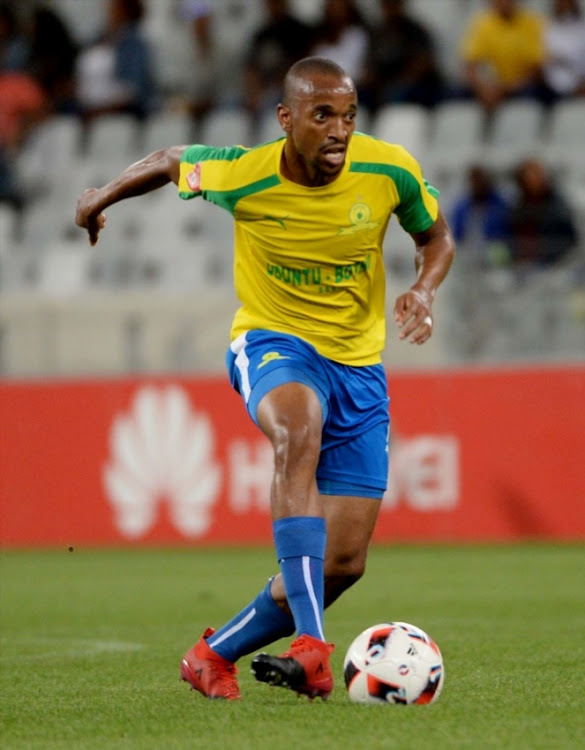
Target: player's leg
[
  {"x": 287, "y": 396},
  {"x": 353, "y": 471},
  {"x": 350, "y": 524},
  {"x": 261, "y": 366},
  {"x": 351, "y": 475},
  {"x": 291, "y": 417},
  {"x": 305, "y": 666}
]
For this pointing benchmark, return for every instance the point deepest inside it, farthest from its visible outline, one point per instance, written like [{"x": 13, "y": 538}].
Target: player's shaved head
[{"x": 302, "y": 77}]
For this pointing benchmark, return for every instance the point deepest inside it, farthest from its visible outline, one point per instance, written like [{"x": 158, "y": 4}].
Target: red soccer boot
[
  {"x": 208, "y": 672},
  {"x": 304, "y": 668}
]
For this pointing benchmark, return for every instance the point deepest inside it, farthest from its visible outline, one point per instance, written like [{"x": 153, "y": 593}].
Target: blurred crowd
[
  {"x": 488, "y": 94},
  {"x": 507, "y": 50},
  {"x": 531, "y": 226}
]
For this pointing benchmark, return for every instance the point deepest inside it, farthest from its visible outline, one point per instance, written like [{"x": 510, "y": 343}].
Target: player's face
[{"x": 320, "y": 122}]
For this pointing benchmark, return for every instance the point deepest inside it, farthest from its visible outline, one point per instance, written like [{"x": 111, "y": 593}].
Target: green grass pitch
[{"x": 92, "y": 639}]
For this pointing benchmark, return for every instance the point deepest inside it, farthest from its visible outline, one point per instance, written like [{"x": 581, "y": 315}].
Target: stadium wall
[{"x": 485, "y": 455}]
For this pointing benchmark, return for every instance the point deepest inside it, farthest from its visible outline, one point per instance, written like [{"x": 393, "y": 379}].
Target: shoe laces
[
  {"x": 304, "y": 644},
  {"x": 226, "y": 677},
  {"x": 224, "y": 670}
]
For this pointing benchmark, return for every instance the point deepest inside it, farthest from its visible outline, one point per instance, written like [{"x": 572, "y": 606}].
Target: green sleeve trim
[
  {"x": 432, "y": 190},
  {"x": 411, "y": 211},
  {"x": 229, "y": 198},
  {"x": 226, "y": 199},
  {"x": 198, "y": 152}
]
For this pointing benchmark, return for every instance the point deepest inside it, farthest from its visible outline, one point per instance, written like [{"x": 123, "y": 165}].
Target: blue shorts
[{"x": 354, "y": 403}]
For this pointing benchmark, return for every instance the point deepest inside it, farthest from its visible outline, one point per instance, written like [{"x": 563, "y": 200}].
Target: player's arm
[
  {"x": 152, "y": 172},
  {"x": 435, "y": 249}
]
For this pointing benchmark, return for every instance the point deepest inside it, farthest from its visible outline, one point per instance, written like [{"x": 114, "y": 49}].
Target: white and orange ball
[{"x": 393, "y": 663}]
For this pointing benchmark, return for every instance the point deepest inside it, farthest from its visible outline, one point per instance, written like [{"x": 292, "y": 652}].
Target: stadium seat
[
  {"x": 456, "y": 138},
  {"x": 192, "y": 235},
  {"x": 45, "y": 160},
  {"x": 516, "y": 132},
  {"x": 113, "y": 137},
  {"x": 268, "y": 128},
  {"x": 174, "y": 251},
  {"x": 445, "y": 20},
  {"x": 572, "y": 184},
  {"x": 171, "y": 42},
  {"x": 166, "y": 128},
  {"x": 18, "y": 272},
  {"x": 43, "y": 223},
  {"x": 566, "y": 137},
  {"x": 310, "y": 11},
  {"x": 405, "y": 124},
  {"x": 399, "y": 251},
  {"x": 64, "y": 268},
  {"x": 226, "y": 126},
  {"x": 84, "y": 19},
  {"x": 8, "y": 228},
  {"x": 363, "y": 122}
]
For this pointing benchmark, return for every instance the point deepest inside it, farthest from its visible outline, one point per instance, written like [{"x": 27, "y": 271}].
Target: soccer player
[{"x": 310, "y": 213}]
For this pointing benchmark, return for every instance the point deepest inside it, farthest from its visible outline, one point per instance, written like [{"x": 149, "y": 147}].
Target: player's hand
[
  {"x": 412, "y": 314},
  {"x": 88, "y": 216}
]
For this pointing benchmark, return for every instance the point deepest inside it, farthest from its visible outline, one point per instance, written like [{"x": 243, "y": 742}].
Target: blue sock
[
  {"x": 257, "y": 625},
  {"x": 300, "y": 547}
]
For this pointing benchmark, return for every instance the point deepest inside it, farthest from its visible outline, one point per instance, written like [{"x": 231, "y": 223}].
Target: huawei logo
[{"x": 162, "y": 454}]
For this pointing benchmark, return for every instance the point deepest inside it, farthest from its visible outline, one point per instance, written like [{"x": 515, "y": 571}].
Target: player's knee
[
  {"x": 350, "y": 571},
  {"x": 340, "y": 575},
  {"x": 348, "y": 562},
  {"x": 294, "y": 444},
  {"x": 336, "y": 585}
]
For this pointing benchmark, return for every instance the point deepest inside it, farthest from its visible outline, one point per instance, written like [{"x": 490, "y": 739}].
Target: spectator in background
[
  {"x": 14, "y": 46},
  {"x": 402, "y": 63},
  {"x": 503, "y": 53},
  {"x": 23, "y": 104},
  {"x": 115, "y": 74},
  {"x": 480, "y": 220},
  {"x": 564, "y": 41},
  {"x": 541, "y": 225},
  {"x": 52, "y": 59},
  {"x": 344, "y": 37},
  {"x": 274, "y": 47},
  {"x": 202, "y": 95}
]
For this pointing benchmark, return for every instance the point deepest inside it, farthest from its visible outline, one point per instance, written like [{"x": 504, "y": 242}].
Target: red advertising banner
[{"x": 475, "y": 456}]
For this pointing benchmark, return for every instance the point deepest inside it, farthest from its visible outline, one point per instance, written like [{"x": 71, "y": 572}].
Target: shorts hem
[
  {"x": 349, "y": 489},
  {"x": 274, "y": 378}
]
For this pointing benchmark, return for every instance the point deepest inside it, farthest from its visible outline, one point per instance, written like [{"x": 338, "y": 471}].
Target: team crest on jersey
[
  {"x": 194, "y": 177},
  {"x": 360, "y": 217}
]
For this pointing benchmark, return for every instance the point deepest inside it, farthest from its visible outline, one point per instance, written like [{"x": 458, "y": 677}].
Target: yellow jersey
[{"x": 308, "y": 260}]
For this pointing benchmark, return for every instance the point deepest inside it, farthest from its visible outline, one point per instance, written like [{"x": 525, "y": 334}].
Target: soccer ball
[{"x": 393, "y": 662}]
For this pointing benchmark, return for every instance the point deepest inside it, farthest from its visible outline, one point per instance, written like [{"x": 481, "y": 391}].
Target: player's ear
[{"x": 284, "y": 117}]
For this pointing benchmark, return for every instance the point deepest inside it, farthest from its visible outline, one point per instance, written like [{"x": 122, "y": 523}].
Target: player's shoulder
[
  {"x": 368, "y": 148},
  {"x": 199, "y": 152},
  {"x": 235, "y": 163}
]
